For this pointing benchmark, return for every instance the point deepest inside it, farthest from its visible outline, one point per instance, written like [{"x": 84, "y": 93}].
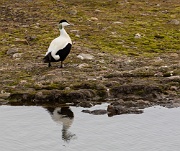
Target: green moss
[{"x": 40, "y": 18}]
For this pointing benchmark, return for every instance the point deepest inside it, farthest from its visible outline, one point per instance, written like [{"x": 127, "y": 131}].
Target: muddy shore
[
  {"x": 129, "y": 80},
  {"x": 134, "y": 85}
]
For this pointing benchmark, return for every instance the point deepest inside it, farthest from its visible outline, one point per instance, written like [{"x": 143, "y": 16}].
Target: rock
[
  {"x": 21, "y": 41},
  {"x": 85, "y": 104},
  {"x": 3, "y": 102},
  {"x": 118, "y": 22},
  {"x": 174, "y": 22},
  {"x": 23, "y": 82},
  {"x": 83, "y": 65},
  {"x": 175, "y": 55},
  {"x": 78, "y": 36},
  {"x": 86, "y": 111},
  {"x": 174, "y": 88},
  {"x": 40, "y": 95},
  {"x": 134, "y": 89},
  {"x": 30, "y": 38},
  {"x": 137, "y": 36},
  {"x": 76, "y": 32},
  {"x": 158, "y": 74},
  {"x": 67, "y": 88},
  {"x": 94, "y": 19},
  {"x": 97, "y": 10},
  {"x": 4, "y": 95},
  {"x": 99, "y": 112},
  {"x": 72, "y": 12},
  {"x": 17, "y": 55},
  {"x": 81, "y": 94},
  {"x": 12, "y": 51},
  {"x": 142, "y": 104},
  {"x": 173, "y": 78},
  {"x": 96, "y": 112},
  {"x": 84, "y": 56},
  {"x": 119, "y": 102},
  {"x": 117, "y": 110}
]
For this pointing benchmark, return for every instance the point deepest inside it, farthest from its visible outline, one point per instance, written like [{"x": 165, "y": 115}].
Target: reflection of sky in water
[{"x": 35, "y": 128}]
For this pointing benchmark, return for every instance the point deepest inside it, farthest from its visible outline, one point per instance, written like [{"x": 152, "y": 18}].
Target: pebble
[
  {"x": 17, "y": 55},
  {"x": 117, "y": 22},
  {"x": 11, "y": 51},
  {"x": 174, "y": 88},
  {"x": 4, "y": 95},
  {"x": 85, "y": 104},
  {"x": 137, "y": 36},
  {"x": 67, "y": 88},
  {"x": 83, "y": 65},
  {"x": 84, "y": 56},
  {"x": 72, "y": 12},
  {"x": 95, "y": 112},
  {"x": 174, "y": 22},
  {"x": 21, "y": 41},
  {"x": 94, "y": 19}
]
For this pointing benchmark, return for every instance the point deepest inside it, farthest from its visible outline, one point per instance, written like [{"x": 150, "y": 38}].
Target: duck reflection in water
[{"x": 65, "y": 117}]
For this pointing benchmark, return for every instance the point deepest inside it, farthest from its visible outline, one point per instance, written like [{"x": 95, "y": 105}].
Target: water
[{"x": 34, "y": 128}]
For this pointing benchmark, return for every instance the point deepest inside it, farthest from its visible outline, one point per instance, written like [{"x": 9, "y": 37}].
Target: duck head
[{"x": 63, "y": 23}]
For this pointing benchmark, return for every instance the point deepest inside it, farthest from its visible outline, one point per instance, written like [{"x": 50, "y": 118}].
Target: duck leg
[
  {"x": 61, "y": 64},
  {"x": 49, "y": 64}
]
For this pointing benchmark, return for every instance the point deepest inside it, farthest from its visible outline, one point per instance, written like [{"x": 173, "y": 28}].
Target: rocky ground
[{"x": 126, "y": 53}]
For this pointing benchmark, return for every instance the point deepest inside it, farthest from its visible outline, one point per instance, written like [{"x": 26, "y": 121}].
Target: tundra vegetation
[{"x": 131, "y": 52}]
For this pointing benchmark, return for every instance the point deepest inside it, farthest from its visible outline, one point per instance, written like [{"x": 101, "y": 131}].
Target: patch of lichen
[
  {"x": 104, "y": 26},
  {"x": 150, "y": 19}
]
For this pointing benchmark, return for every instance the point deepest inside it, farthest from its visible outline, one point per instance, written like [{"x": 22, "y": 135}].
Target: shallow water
[{"x": 34, "y": 128}]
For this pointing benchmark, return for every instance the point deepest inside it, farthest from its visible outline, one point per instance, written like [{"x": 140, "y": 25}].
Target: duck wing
[{"x": 57, "y": 44}]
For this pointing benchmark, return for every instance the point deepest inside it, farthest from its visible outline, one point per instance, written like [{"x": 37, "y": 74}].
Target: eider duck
[{"x": 60, "y": 47}]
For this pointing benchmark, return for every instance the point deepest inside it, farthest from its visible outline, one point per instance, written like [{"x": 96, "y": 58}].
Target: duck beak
[{"x": 71, "y": 24}]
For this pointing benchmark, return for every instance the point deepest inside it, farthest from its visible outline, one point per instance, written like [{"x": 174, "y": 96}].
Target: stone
[
  {"x": 21, "y": 41},
  {"x": 72, "y": 12},
  {"x": 97, "y": 10},
  {"x": 138, "y": 35},
  {"x": 83, "y": 65},
  {"x": 94, "y": 19},
  {"x": 174, "y": 78},
  {"x": 174, "y": 88},
  {"x": 75, "y": 32},
  {"x": 118, "y": 22},
  {"x": 99, "y": 112},
  {"x": 174, "y": 22},
  {"x": 67, "y": 88},
  {"x": 4, "y": 95},
  {"x": 85, "y": 104},
  {"x": 86, "y": 111},
  {"x": 17, "y": 55},
  {"x": 175, "y": 55},
  {"x": 158, "y": 74},
  {"x": 3, "y": 101},
  {"x": 84, "y": 56},
  {"x": 30, "y": 38},
  {"x": 119, "y": 102},
  {"x": 96, "y": 112},
  {"x": 12, "y": 51},
  {"x": 117, "y": 110}
]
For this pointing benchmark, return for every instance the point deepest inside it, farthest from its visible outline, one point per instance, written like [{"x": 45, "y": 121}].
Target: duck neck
[{"x": 63, "y": 32}]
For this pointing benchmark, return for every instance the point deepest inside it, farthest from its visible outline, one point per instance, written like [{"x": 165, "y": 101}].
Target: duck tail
[{"x": 47, "y": 58}]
